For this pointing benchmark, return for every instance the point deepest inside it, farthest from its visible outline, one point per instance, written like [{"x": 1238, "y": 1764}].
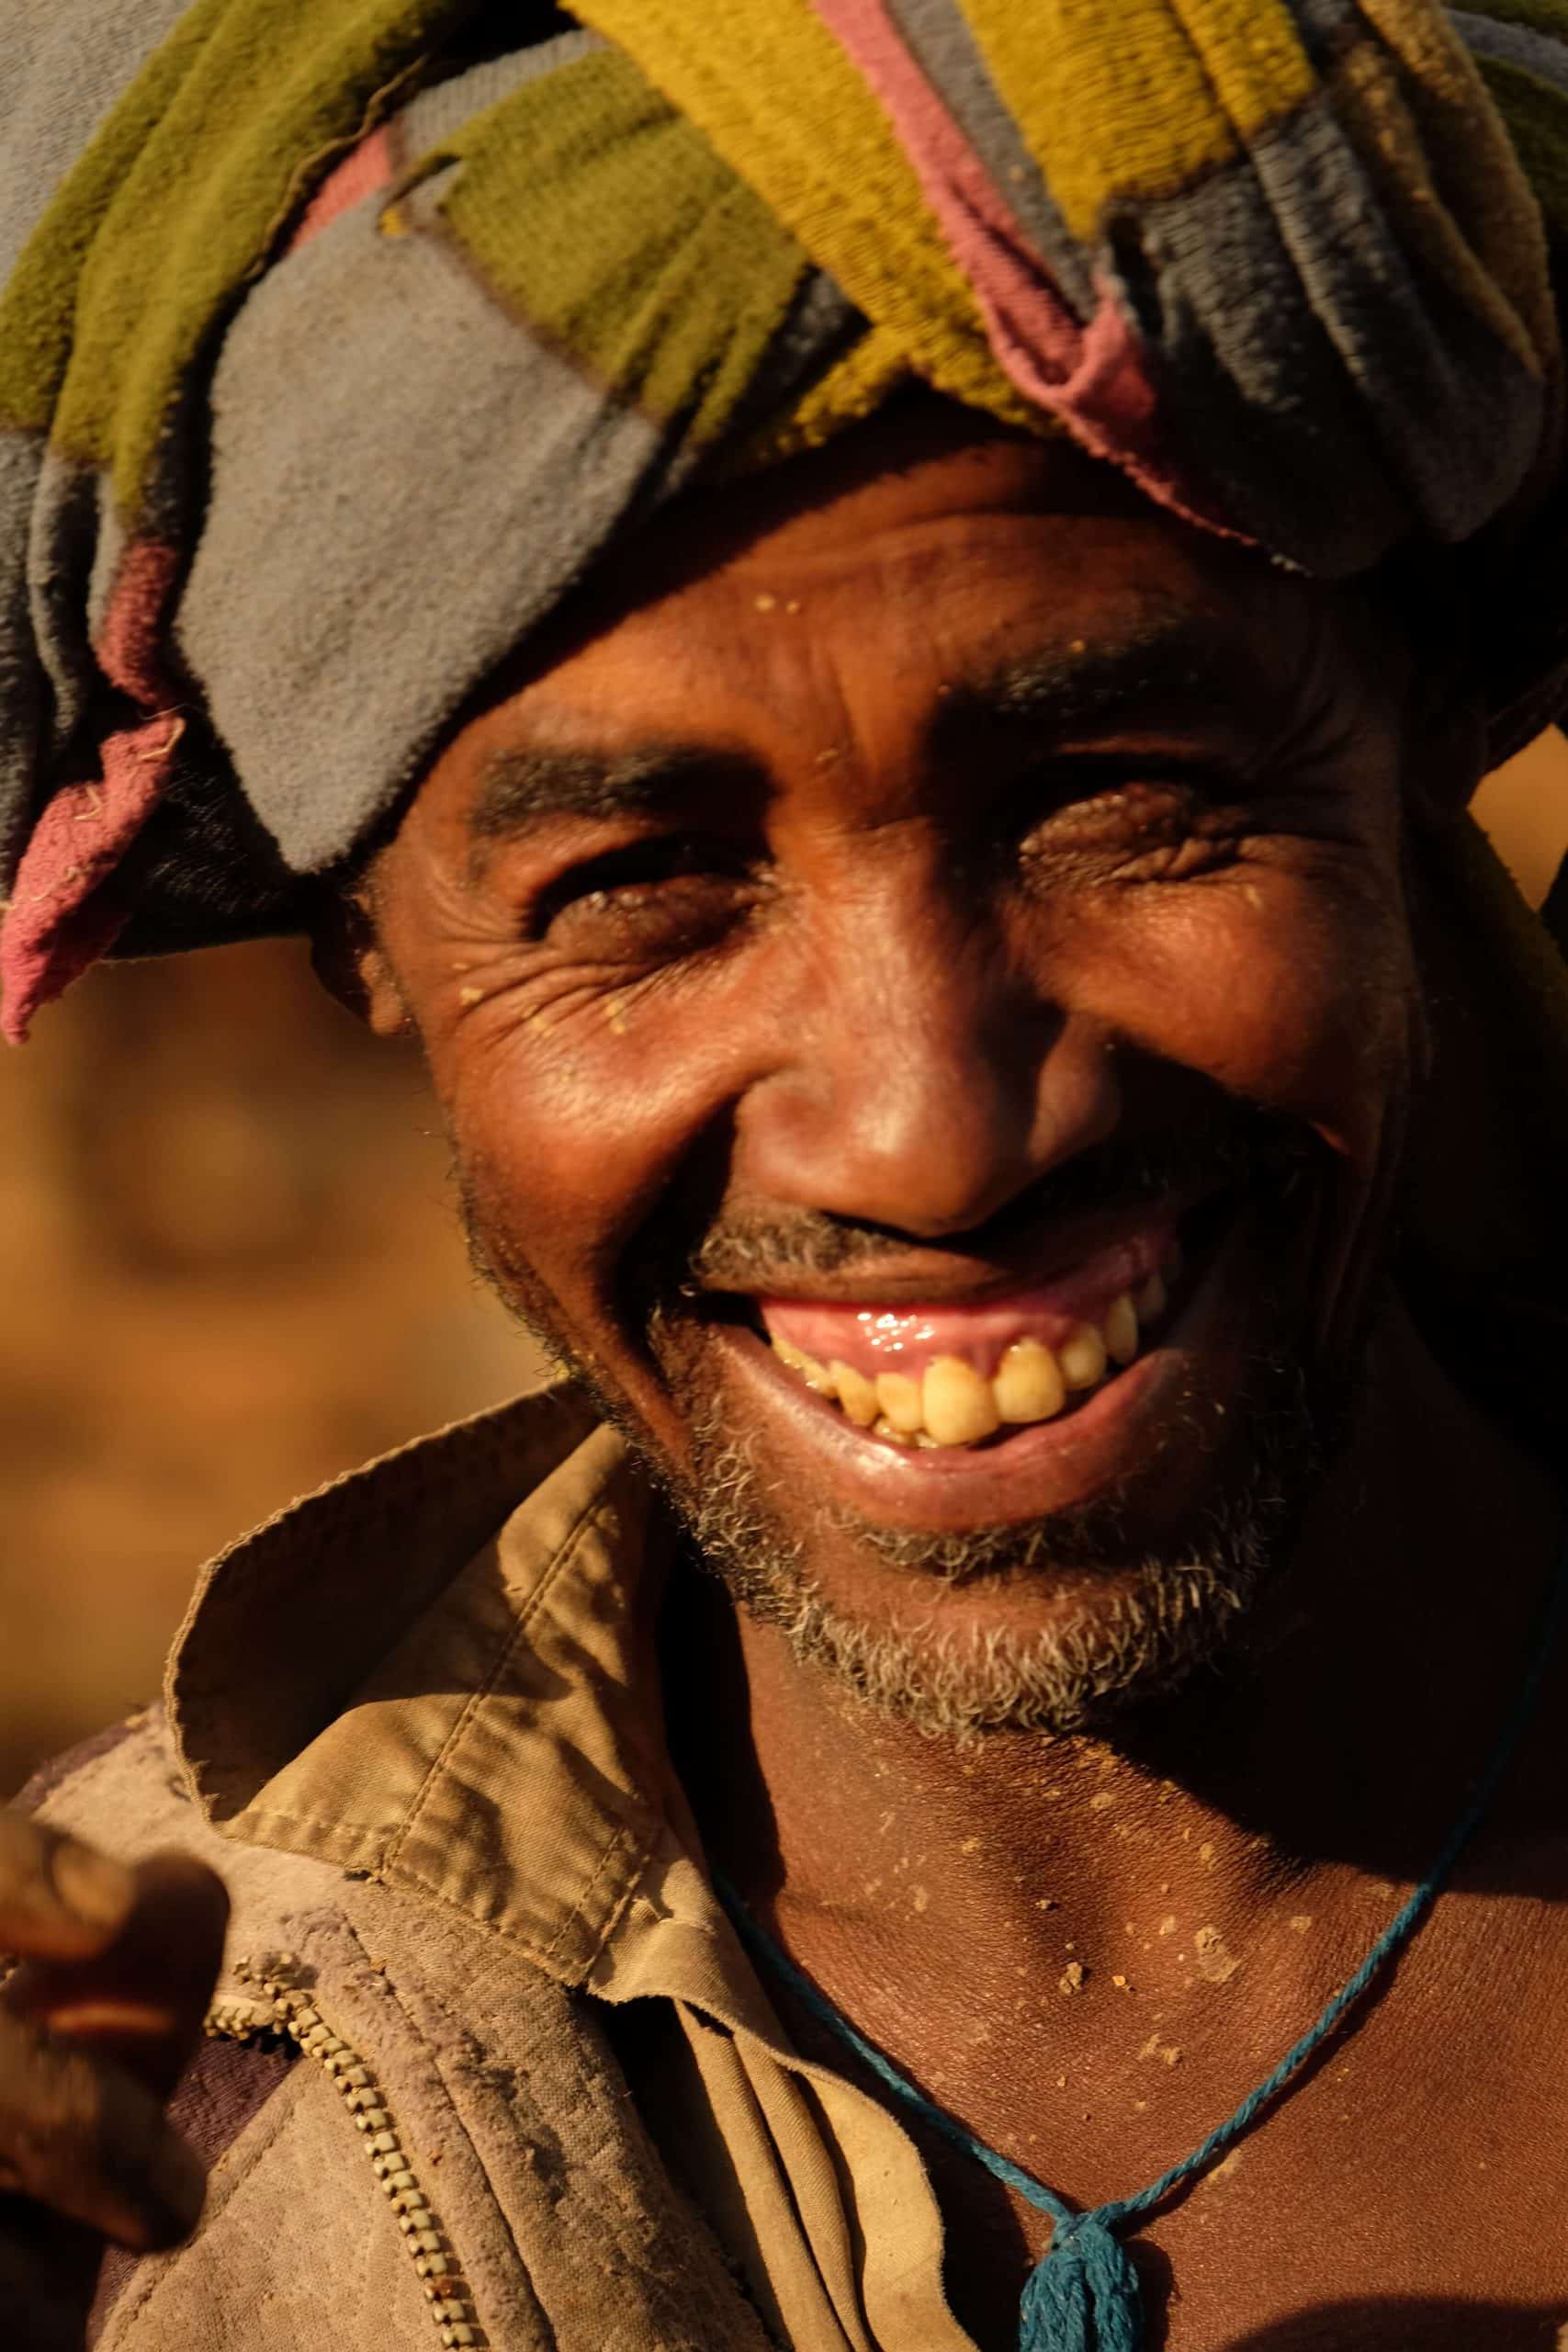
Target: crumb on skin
[{"x": 1216, "y": 1960}]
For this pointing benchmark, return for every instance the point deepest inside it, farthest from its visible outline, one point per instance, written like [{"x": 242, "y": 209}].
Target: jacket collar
[{"x": 439, "y": 1672}]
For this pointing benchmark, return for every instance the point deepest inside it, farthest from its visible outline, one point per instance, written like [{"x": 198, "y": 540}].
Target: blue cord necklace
[{"x": 1082, "y": 2296}]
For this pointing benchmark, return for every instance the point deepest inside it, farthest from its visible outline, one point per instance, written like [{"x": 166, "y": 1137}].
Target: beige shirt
[{"x": 381, "y": 1680}]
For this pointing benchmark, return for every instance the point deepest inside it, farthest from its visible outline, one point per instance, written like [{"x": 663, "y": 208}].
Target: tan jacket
[{"x": 416, "y": 1726}]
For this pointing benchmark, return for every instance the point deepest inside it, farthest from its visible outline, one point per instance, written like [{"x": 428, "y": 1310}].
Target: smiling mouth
[{"x": 965, "y": 1377}]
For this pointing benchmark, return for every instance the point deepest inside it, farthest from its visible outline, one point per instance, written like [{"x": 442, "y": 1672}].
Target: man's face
[{"x": 928, "y": 907}]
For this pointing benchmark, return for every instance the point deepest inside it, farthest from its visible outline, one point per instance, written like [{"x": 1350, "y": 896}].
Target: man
[{"x": 972, "y": 1019}]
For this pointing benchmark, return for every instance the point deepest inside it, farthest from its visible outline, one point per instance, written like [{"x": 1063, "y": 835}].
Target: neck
[{"x": 1247, "y": 1829}]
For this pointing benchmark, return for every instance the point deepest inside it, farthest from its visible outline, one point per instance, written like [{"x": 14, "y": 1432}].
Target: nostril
[{"x": 927, "y": 1123}]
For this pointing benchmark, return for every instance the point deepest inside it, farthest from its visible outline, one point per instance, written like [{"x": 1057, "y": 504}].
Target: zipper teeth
[{"x": 280, "y": 2009}]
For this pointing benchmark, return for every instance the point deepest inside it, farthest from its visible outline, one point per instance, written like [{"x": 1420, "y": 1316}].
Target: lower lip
[{"x": 1047, "y": 1466}]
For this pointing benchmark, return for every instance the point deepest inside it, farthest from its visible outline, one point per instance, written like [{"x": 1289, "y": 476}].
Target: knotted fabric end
[
  {"x": 58, "y": 923},
  {"x": 1083, "y": 2296}
]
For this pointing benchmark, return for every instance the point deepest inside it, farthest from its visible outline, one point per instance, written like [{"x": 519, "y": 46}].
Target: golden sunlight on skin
[
  {"x": 104, "y": 1527},
  {"x": 648, "y": 912}
]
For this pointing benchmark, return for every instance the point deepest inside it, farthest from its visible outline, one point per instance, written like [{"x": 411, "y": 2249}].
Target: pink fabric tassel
[{"x": 58, "y": 925}]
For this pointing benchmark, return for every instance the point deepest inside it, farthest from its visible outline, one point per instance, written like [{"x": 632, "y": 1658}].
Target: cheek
[
  {"x": 1290, "y": 995},
  {"x": 570, "y": 1135}
]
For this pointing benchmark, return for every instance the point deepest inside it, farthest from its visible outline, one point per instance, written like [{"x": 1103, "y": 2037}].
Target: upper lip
[{"x": 937, "y": 1277}]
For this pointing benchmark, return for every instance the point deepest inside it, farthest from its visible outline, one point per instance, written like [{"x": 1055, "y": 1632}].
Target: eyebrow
[
  {"x": 520, "y": 782},
  {"x": 1183, "y": 666},
  {"x": 1187, "y": 666}
]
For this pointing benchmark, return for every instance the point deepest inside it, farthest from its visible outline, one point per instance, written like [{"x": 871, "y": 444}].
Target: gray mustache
[{"x": 1257, "y": 1150}]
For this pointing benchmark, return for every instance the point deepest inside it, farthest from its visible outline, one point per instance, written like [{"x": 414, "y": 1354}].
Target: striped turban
[{"x": 339, "y": 338}]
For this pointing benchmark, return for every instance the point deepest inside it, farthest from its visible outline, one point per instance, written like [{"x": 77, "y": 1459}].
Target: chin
[{"x": 1058, "y": 1625}]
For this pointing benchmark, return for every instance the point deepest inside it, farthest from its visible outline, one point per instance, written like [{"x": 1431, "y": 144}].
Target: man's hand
[{"x": 117, "y": 1969}]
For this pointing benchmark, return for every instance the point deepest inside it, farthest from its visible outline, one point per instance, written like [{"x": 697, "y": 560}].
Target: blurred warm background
[{"x": 229, "y": 1270}]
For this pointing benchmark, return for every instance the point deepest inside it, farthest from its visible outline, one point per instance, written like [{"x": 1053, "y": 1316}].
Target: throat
[{"x": 1031, "y": 1892}]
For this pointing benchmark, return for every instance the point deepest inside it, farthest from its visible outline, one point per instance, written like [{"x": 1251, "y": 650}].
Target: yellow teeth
[
  {"x": 1027, "y": 1386},
  {"x": 883, "y": 1427},
  {"x": 899, "y": 1398},
  {"x": 955, "y": 1405},
  {"x": 1121, "y": 1330},
  {"x": 816, "y": 1376},
  {"x": 1082, "y": 1358},
  {"x": 856, "y": 1393},
  {"x": 959, "y": 1407}
]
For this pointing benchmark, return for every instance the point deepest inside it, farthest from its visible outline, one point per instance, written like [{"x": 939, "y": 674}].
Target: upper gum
[
  {"x": 846, "y": 1333},
  {"x": 916, "y": 1359}
]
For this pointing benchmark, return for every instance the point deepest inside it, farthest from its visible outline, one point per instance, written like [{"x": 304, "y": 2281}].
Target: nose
[{"x": 926, "y": 1081}]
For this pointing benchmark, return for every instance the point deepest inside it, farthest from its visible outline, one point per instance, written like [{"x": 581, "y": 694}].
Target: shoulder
[
  {"x": 126, "y": 1789},
  {"x": 297, "y": 2224},
  {"x": 120, "y": 1789},
  {"x": 59, "y": 1771},
  {"x": 341, "y": 2178}
]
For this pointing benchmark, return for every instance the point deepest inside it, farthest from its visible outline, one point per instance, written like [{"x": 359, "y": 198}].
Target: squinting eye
[
  {"x": 1094, "y": 789},
  {"x": 1132, "y": 817},
  {"x": 1171, "y": 830},
  {"x": 657, "y": 899}
]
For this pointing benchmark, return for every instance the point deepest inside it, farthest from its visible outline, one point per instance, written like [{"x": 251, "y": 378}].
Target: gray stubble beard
[
  {"x": 1119, "y": 1631},
  {"x": 1139, "y": 1630}
]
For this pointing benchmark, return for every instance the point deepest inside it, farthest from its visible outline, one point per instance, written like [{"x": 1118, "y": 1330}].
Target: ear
[{"x": 351, "y": 963}]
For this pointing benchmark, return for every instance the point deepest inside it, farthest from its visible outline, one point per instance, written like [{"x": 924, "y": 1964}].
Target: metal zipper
[{"x": 276, "y": 2008}]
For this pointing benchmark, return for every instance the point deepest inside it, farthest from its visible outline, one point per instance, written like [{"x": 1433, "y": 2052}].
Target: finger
[
  {"x": 88, "y": 2142},
  {"x": 142, "y": 2000},
  {"x": 57, "y": 1897}
]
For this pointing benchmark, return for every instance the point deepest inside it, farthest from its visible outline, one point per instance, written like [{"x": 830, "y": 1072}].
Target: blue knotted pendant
[{"x": 1083, "y": 2296}]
